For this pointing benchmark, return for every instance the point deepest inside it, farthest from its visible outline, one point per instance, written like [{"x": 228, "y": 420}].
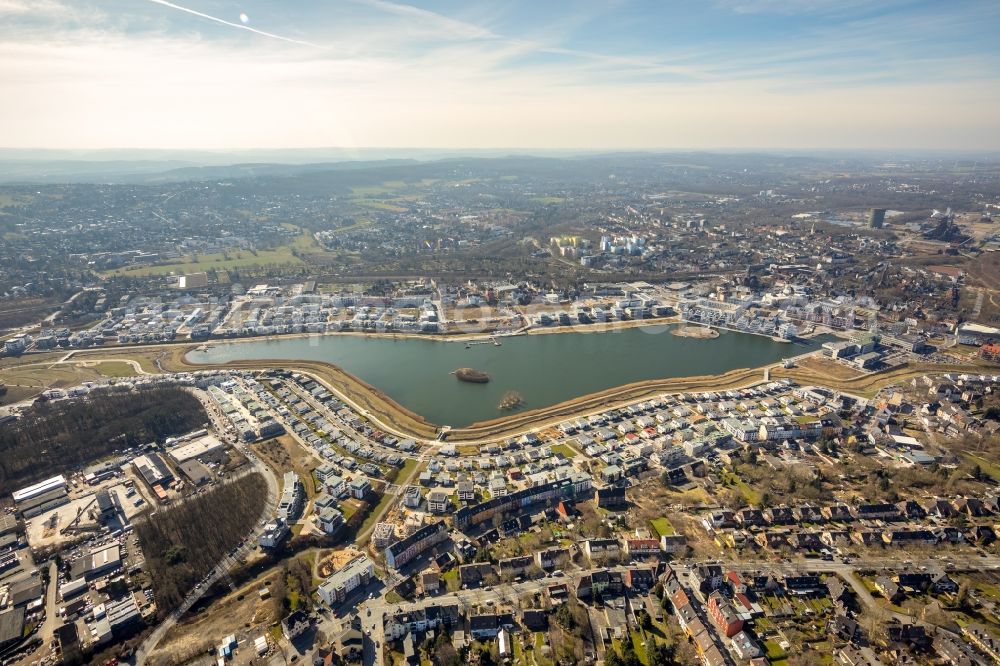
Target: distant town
[{"x": 800, "y": 464}]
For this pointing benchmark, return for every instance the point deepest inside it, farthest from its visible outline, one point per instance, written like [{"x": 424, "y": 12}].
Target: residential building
[
  {"x": 404, "y": 550},
  {"x": 357, "y": 573}
]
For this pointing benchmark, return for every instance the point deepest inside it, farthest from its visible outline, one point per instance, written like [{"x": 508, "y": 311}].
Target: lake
[{"x": 544, "y": 369}]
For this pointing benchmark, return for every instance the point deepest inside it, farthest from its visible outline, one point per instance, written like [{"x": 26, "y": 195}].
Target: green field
[
  {"x": 565, "y": 450},
  {"x": 204, "y": 262},
  {"x": 381, "y": 205},
  {"x": 372, "y": 190},
  {"x": 282, "y": 255},
  {"x": 116, "y": 369},
  {"x": 989, "y": 468},
  {"x": 376, "y": 510},
  {"x": 662, "y": 527},
  {"x": 749, "y": 494}
]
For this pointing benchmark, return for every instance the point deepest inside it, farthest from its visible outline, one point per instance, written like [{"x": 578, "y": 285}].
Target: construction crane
[{"x": 74, "y": 525}]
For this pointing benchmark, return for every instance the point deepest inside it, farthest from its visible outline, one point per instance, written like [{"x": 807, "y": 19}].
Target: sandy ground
[
  {"x": 699, "y": 332},
  {"x": 336, "y": 560},
  {"x": 45, "y": 530},
  {"x": 242, "y": 613}
]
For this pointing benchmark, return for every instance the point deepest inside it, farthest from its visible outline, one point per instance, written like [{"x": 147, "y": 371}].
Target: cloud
[
  {"x": 445, "y": 25},
  {"x": 231, "y": 24},
  {"x": 391, "y": 74}
]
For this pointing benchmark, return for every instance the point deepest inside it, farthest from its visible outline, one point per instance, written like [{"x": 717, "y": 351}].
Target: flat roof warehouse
[
  {"x": 39, "y": 488},
  {"x": 207, "y": 445}
]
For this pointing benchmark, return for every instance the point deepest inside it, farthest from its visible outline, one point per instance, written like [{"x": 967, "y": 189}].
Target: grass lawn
[
  {"x": 774, "y": 651},
  {"x": 348, "y": 509},
  {"x": 293, "y": 599},
  {"x": 749, "y": 494},
  {"x": 376, "y": 510},
  {"x": 116, "y": 369},
  {"x": 548, "y": 200},
  {"x": 451, "y": 580},
  {"x": 540, "y": 640},
  {"x": 990, "y": 468},
  {"x": 406, "y": 469},
  {"x": 662, "y": 527},
  {"x": 640, "y": 649},
  {"x": 565, "y": 450},
  {"x": 518, "y": 651}
]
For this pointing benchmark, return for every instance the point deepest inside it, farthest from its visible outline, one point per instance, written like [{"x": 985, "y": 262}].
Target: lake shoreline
[{"x": 544, "y": 369}]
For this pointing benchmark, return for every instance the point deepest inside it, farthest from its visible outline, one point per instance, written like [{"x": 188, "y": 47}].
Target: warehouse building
[
  {"x": 40, "y": 488},
  {"x": 205, "y": 448},
  {"x": 98, "y": 563},
  {"x": 41, "y": 497},
  {"x": 11, "y": 627},
  {"x": 153, "y": 470}
]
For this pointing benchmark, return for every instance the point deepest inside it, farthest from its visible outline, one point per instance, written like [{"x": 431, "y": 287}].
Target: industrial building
[
  {"x": 98, "y": 563},
  {"x": 41, "y": 497},
  {"x": 204, "y": 448},
  {"x": 153, "y": 469}
]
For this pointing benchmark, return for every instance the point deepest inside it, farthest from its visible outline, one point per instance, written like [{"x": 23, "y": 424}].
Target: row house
[
  {"x": 602, "y": 583},
  {"x": 883, "y": 511},
  {"x": 639, "y": 548},
  {"x": 420, "y": 620},
  {"x": 516, "y": 566},
  {"x": 602, "y": 549},
  {"x": 404, "y": 550},
  {"x": 550, "y": 558},
  {"x": 724, "y": 615}
]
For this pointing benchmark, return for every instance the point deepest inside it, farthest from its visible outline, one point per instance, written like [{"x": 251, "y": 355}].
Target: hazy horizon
[{"x": 441, "y": 75}]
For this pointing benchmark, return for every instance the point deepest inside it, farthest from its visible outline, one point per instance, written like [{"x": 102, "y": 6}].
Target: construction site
[{"x": 108, "y": 506}]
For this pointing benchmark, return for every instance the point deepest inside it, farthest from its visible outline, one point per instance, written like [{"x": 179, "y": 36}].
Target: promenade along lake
[{"x": 544, "y": 369}]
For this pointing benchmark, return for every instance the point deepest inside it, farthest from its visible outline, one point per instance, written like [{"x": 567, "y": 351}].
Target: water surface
[{"x": 544, "y": 369}]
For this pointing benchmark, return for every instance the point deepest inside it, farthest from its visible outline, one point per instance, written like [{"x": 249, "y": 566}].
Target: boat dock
[{"x": 489, "y": 341}]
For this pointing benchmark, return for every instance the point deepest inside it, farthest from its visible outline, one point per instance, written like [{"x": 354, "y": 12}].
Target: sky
[{"x": 552, "y": 74}]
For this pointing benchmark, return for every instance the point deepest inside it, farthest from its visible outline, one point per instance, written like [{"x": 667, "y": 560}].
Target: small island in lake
[
  {"x": 699, "y": 332},
  {"x": 510, "y": 400},
  {"x": 472, "y": 375}
]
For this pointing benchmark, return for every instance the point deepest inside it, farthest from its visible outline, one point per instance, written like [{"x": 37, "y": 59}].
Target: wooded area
[
  {"x": 184, "y": 542},
  {"x": 55, "y": 437}
]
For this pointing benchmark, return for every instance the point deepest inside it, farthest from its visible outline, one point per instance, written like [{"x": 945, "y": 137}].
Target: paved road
[{"x": 48, "y": 629}]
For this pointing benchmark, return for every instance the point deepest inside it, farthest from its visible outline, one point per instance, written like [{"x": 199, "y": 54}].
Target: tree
[
  {"x": 565, "y": 617},
  {"x": 962, "y": 596},
  {"x": 185, "y": 541},
  {"x": 445, "y": 653},
  {"x": 662, "y": 654}
]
